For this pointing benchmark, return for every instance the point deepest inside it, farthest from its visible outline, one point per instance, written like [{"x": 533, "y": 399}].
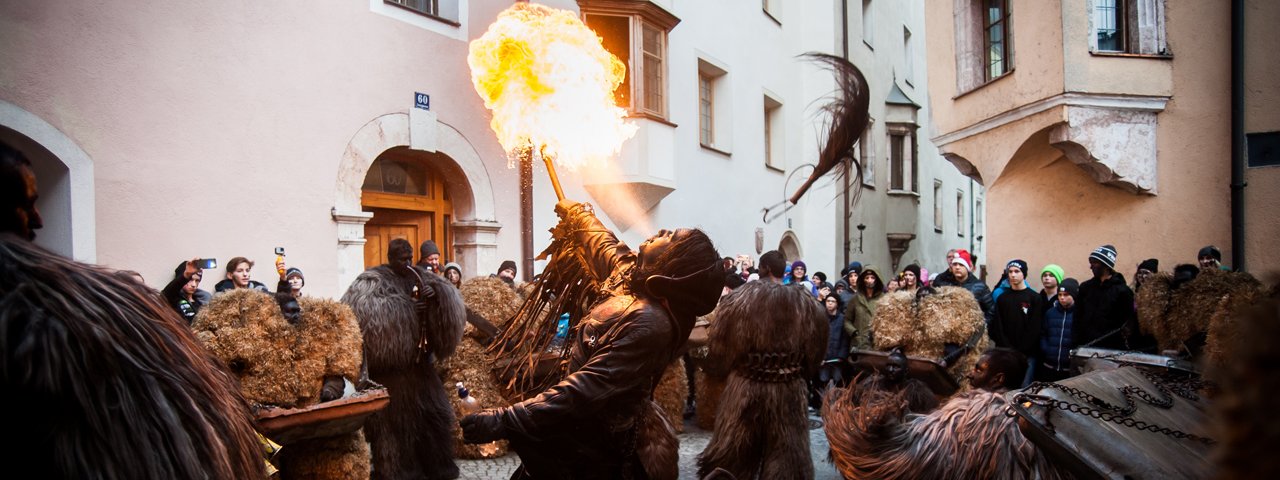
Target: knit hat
[
  {"x": 853, "y": 267},
  {"x": 1021, "y": 264},
  {"x": 963, "y": 258},
  {"x": 1054, "y": 270},
  {"x": 1209, "y": 251},
  {"x": 914, "y": 269},
  {"x": 508, "y": 264},
  {"x": 1071, "y": 286},
  {"x": 454, "y": 266},
  {"x": 1106, "y": 255},
  {"x": 800, "y": 264},
  {"x": 295, "y": 272},
  {"x": 428, "y": 248},
  {"x": 1150, "y": 265}
]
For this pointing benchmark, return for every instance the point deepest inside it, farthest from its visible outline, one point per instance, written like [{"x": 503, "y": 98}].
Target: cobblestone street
[{"x": 692, "y": 441}]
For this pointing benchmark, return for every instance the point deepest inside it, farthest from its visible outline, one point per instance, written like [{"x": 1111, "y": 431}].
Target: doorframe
[{"x": 475, "y": 226}]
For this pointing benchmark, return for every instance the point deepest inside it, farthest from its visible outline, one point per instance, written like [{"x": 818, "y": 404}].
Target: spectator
[
  {"x": 858, "y": 314},
  {"x": 771, "y": 266},
  {"x": 945, "y": 275},
  {"x": 1056, "y": 339},
  {"x": 1145, "y": 270},
  {"x": 183, "y": 293},
  {"x": 1105, "y": 317},
  {"x": 20, "y": 216},
  {"x": 998, "y": 370},
  {"x": 746, "y": 267},
  {"x": 832, "y": 370},
  {"x": 824, "y": 289},
  {"x": 848, "y": 278},
  {"x": 960, "y": 275},
  {"x": 798, "y": 276},
  {"x": 293, "y": 276},
  {"x": 894, "y": 284},
  {"x": 1050, "y": 277},
  {"x": 429, "y": 256},
  {"x": 1003, "y": 285},
  {"x": 728, "y": 263},
  {"x": 453, "y": 273},
  {"x": 911, "y": 278},
  {"x": 1019, "y": 318},
  {"x": 507, "y": 272},
  {"x": 817, "y": 279},
  {"x": 238, "y": 273},
  {"x": 1211, "y": 257}
]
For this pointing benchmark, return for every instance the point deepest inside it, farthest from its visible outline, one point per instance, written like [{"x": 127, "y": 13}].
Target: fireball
[{"x": 550, "y": 82}]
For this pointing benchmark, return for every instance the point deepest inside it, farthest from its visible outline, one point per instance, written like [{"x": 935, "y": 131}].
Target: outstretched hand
[
  {"x": 567, "y": 207},
  {"x": 482, "y": 427}
]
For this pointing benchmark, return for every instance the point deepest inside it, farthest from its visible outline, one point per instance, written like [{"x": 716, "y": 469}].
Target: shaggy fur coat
[
  {"x": 411, "y": 437},
  {"x": 924, "y": 326},
  {"x": 770, "y": 339},
  {"x": 283, "y": 364},
  {"x": 494, "y": 301},
  {"x": 1176, "y": 317},
  {"x": 101, "y": 379},
  {"x": 872, "y": 436}
]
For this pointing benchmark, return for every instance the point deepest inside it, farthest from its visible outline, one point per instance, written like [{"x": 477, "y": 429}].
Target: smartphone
[
  {"x": 280, "y": 251},
  {"x": 207, "y": 263}
]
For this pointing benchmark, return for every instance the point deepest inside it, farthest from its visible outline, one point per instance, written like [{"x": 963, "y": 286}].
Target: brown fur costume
[
  {"x": 923, "y": 328},
  {"x": 970, "y": 436},
  {"x": 1249, "y": 396},
  {"x": 708, "y": 384},
  {"x": 285, "y": 364},
  {"x": 671, "y": 393},
  {"x": 771, "y": 339},
  {"x": 1174, "y": 316},
  {"x": 102, "y": 380},
  {"x": 410, "y": 438},
  {"x": 496, "y": 302}
]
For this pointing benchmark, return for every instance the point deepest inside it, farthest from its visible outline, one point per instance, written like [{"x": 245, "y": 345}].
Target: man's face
[
  {"x": 1065, "y": 299},
  {"x": 1097, "y": 268},
  {"x": 23, "y": 218},
  {"x": 1207, "y": 261},
  {"x": 507, "y": 274},
  {"x": 240, "y": 276},
  {"x": 797, "y": 271},
  {"x": 982, "y": 377},
  {"x": 852, "y": 277},
  {"x": 1142, "y": 275},
  {"x": 909, "y": 279},
  {"x": 291, "y": 310},
  {"x": 190, "y": 287},
  {"x": 959, "y": 271},
  {"x": 295, "y": 282},
  {"x": 895, "y": 370},
  {"x": 868, "y": 279},
  {"x": 1016, "y": 276},
  {"x": 1049, "y": 281},
  {"x": 434, "y": 261},
  {"x": 655, "y": 246}
]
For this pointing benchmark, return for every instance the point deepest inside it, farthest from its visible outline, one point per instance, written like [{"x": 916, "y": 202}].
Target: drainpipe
[
  {"x": 1237, "y": 135},
  {"x": 526, "y": 216},
  {"x": 844, "y": 47}
]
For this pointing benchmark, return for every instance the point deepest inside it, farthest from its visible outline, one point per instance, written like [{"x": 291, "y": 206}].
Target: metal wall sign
[{"x": 421, "y": 100}]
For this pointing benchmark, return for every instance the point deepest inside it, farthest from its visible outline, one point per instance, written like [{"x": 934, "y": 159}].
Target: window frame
[
  {"x": 432, "y": 13},
  {"x": 706, "y": 110},
  {"x": 1005, "y": 21},
  {"x": 909, "y": 162},
  {"x": 643, "y": 65},
  {"x": 937, "y": 206},
  {"x": 867, "y": 155},
  {"x": 773, "y": 137},
  {"x": 960, "y": 212},
  {"x": 868, "y": 24},
  {"x": 1141, "y": 25}
]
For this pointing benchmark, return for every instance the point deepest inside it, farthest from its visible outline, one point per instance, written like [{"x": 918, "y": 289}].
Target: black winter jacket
[{"x": 1101, "y": 309}]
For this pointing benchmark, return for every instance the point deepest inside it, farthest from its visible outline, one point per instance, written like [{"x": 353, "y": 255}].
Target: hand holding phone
[{"x": 206, "y": 263}]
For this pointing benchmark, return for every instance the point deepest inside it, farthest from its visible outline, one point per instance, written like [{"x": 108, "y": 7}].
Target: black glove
[
  {"x": 426, "y": 291},
  {"x": 566, "y": 207},
  {"x": 482, "y": 427}
]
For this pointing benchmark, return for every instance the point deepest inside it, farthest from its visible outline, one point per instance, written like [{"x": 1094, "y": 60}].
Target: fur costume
[
  {"x": 1249, "y": 395},
  {"x": 410, "y": 438},
  {"x": 286, "y": 365},
  {"x": 872, "y": 436},
  {"x": 708, "y": 384},
  {"x": 495, "y": 302},
  {"x": 1175, "y": 316},
  {"x": 103, "y": 380},
  {"x": 771, "y": 339},
  {"x": 923, "y": 325},
  {"x": 671, "y": 394}
]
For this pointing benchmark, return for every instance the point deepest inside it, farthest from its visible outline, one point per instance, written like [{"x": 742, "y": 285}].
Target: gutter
[{"x": 1237, "y": 135}]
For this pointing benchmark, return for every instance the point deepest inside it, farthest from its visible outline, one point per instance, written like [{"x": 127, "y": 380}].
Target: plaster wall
[
  {"x": 216, "y": 130},
  {"x": 1262, "y": 95}
]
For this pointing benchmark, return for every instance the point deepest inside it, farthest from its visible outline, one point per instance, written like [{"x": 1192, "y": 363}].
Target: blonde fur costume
[{"x": 924, "y": 326}]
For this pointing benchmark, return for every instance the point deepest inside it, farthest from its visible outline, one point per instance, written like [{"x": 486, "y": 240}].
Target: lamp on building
[{"x": 861, "y": 227}]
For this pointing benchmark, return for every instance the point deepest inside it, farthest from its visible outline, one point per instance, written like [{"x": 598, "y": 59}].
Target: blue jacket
[
  {"x": 1056, "y": 338},
  {"x": 837, "y": 340}
]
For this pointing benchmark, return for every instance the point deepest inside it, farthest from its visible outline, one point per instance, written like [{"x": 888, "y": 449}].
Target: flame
[{"x": 550, "y": 82}]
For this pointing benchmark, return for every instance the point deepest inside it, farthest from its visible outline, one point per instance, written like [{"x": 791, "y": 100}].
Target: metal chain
[{"x": 1118, "y": 415}]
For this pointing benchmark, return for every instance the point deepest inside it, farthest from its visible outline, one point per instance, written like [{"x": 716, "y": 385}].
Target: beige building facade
[{"x": 1096, "y": 122}]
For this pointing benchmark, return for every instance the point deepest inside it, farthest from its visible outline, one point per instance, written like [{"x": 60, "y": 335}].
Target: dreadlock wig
[
  {"x": 410, "y": 438},
  {"x": 771, "y": 339},
  {"x": 872, "y": 436},
  {"x": 102, "y": 380}
]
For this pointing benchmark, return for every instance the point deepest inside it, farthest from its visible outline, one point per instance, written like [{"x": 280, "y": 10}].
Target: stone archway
[
  {"x": 475, "y": 224},
  {"x": 65, "y": 175},
  {"x": 789, "y": 247}
]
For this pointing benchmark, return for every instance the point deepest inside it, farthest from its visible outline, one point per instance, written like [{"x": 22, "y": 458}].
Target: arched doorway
[
  {"x": 409, "y": 199},
  {"x": 789, "y": 247}
]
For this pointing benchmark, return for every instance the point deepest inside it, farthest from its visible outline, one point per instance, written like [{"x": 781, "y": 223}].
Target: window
[
  {"x": 713, "y": 107},
  {"x": 997, "y": 33},
  {"x": 445, "y": 10},
  {"x": 867, "y": 155},
  {"x": 960, "y": 213},
  {"x": 636, "y": 32},
  {"x": 1127, "y": 26},
  {"x": 937, "y": 206},
  {"x": 706, "y": 127},
  {"x": 773, "y": 152},
  {"x": 868, "y": 27},
  {"x": 977, "y": 214},
  {"x": 908, "y": 57},
  {"x": 902, "y": 158}
]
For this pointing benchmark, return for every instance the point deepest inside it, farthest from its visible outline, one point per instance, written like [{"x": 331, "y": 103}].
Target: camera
[
  {"x": 207, "y": 263},
  {"x": 280, "y": 251}
]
